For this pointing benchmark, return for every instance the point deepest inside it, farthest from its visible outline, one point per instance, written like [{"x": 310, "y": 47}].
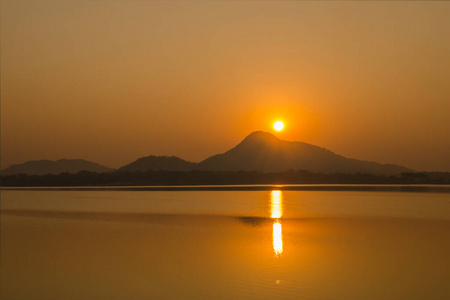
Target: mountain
[
  {"x": 42, "y": 167},
  {"x": 156, "y": 163},
  {"x": 262, "y": 151}
]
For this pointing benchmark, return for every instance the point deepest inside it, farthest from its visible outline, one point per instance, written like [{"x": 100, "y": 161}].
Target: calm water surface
[{"x": 277, "y": 244}]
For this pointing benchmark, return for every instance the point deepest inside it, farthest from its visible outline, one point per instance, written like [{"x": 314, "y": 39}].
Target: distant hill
[
  {"x": 43, "y": 167},
  {"x": 262, "y": 151},
  {"x": 259, "y": 151},
  {"x": 156, "y": 163}
]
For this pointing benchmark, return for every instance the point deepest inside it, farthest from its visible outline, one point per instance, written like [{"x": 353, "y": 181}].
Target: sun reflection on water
[
  {"x": 275, "y": 205},
  {"x": 277, "y": 238},
  {"x": 276, "y": 210}
]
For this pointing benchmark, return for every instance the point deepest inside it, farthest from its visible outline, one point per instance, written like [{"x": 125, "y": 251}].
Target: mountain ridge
[
  {"x": 262, "y": 151},
  {"x": 45, "y": 166},
  {"x": 259, "y": 151},
  {"x": 154, "y": 162}
]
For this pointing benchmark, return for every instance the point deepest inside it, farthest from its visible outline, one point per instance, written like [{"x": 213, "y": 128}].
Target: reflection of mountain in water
[{"x": 253, "y": 221}]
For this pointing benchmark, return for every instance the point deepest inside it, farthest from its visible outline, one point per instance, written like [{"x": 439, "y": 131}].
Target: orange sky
[{"x": 111, "y": 81}]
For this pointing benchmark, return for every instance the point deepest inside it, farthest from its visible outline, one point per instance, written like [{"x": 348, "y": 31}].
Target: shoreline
[{"x": 257, "y": 187}]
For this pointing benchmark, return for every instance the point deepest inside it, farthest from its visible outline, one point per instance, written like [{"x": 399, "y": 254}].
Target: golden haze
[{"x": 111, "y": 81}]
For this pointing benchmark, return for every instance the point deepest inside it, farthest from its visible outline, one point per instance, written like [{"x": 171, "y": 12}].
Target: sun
[{"x": 278, "y": 125}]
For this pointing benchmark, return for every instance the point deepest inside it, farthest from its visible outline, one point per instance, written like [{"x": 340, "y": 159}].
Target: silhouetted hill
[
  {"x": 42, "y": 167},
  {"x": 262, "y": 151},
  {"x": 156, "y": 163}
]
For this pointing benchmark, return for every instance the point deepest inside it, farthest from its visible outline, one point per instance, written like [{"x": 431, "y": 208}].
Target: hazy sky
[{"x": 112, "y": 81}]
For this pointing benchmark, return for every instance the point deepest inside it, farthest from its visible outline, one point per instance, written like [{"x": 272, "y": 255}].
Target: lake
[{"x": 259, "y": 242}]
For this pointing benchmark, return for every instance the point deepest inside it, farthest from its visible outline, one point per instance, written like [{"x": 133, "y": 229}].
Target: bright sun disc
[{"x": 278, "y": 125}]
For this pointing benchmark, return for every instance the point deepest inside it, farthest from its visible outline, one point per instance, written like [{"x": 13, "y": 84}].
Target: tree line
[{"x": 155, "y": 178}]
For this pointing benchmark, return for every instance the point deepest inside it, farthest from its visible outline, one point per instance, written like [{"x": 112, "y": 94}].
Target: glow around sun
[{"x": 278, "y": 125}]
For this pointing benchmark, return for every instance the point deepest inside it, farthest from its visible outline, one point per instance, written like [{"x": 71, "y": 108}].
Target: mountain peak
[
  {"x": 263, "y": 151},
  {"x": 261, "y": 137}
]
